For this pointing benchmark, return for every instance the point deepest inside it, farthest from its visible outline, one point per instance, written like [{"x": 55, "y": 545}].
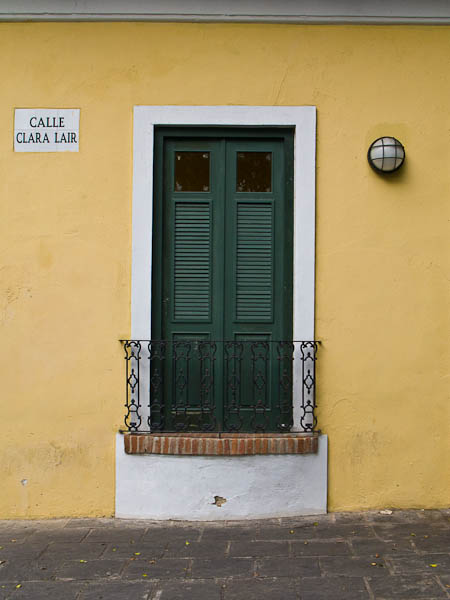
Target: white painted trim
[
  {"x": 303, "y": 119},
  {"x": 266, "y": 11},
  {"x": 154, "y": 486}
]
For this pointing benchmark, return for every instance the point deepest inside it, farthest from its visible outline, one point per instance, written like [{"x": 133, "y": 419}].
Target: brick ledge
[{"x": 220, "y": 444}]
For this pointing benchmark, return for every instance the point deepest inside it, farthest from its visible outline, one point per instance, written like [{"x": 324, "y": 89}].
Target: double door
[{"x": 222, "y": 278}]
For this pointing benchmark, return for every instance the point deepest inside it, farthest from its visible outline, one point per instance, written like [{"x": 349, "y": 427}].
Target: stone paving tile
[
  {"x": 435, "y": 542},
  {"x": 397, "y": 516},
  {"x": 406, "y": 587},
  {"x": 18, "y": 551},
  {"x": 64, "y": 550},
  {"x": 287, "y": 567},
  {"x": 91, "y": 569},
  {"x": 117, "y": 590},
  {"x": 317, "y": 530},
  {"x": 187, "y": 590},
  {"x": 183, "y": 548},
  {"x": 6, "y": 590},
  {"x": 389, "y": 531},
  {"x": 350, "y": 517},
  {"x": 229, "y": 533},
  {"x": 148, "y": 550},
  {"x": 113, "y": 534},
  {"x": 46, "y": 590},
  {"x": 281, "y": 533},
  {"x": 374, "y": 546},
  {"x": 332, "y": 588},
  {"x": 435, "y": 515},
  {"x": 259, "y": 549},
  {"x": 344, "y": 530},
  {"x": 421, "y": 563},
  {"x": 320, "y": 548},
  {"x": 58, "y": 535},
  {"x": 327, "y": 556},
  {"x": 306, "y": 520},
  {"x": 222, "y": 567},
  {"x": 174, "y": 534},
  {"x": 28, "y": 570},
  {"x": 19, "y": 537},
  {"x": 90, "y": 523},
  {"x": 260, "y": 589},
  {"x": 354, "y": 566},
  {"x": 165, "y": 568}
]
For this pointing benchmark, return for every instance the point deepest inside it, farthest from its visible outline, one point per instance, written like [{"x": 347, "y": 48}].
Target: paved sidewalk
[{"x": 357, "y": 556}]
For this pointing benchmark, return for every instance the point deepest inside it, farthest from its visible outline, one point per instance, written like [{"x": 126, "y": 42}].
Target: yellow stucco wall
[{"x": 382, "y": 245}]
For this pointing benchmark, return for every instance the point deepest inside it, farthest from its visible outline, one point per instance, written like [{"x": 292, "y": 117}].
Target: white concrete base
[{"x": 154, "y": 486}]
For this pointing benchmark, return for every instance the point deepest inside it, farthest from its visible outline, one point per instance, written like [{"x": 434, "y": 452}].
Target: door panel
[{"x": 224, "y": 285}]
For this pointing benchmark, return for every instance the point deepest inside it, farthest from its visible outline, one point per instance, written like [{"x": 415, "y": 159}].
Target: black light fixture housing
[{"x": 386, "y": 155}]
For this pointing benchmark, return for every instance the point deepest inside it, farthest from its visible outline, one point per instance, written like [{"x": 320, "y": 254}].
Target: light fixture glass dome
[{"x": 386, "y": 154}]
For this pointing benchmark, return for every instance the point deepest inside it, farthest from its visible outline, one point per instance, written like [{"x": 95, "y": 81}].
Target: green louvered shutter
[
  {"x": 222, "y": 266},
  {"x": 254, "y": 262},
  {"x": 192, "y": 262}
]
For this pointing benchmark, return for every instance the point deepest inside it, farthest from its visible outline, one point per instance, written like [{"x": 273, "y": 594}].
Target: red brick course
[{"x": 220, "y": 444}]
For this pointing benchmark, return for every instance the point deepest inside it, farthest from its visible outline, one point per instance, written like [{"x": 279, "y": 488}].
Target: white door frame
[{"x": 303, "y": 120}]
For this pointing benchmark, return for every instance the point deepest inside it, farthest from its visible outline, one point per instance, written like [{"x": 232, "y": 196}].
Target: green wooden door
[{"x": 222, "y": 277}]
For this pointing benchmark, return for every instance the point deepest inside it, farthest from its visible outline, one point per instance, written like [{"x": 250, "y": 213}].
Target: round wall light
[{"x": 386, "y": 155}]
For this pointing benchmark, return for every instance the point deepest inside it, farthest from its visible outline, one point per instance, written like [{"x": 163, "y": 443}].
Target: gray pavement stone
[
  {"x": 332, "y": 588},
  {"x": 114, "y": 535},
  {"x": 244, "y": 549},
  {"x": 350, "y": 517},
  {"x": 6, "y": 589},
  {"x": 326, "y": 557},
  {"x": 174, "y": 534},
  {"x": 320, "y": 548},
  {"x": 58, "y": 535},
  {"x": 411, "y": 531},
  {"x": 373, "y": 546},
  {"x": 288, "y": 567},
  {"x": 397, "y": 516},
  {"x": 46, "y": 590},
  {"x": 90, "y": 523},
  {"x": 184, "y": 548},
  {"x": 143, "y": 550},
  {"x": 74, "y": 551},
  {"x": 222, "y": 567},
  {"x": 14, "y": 536},
  {"x": 19, "y": 551},
  {"x": 279, "y": 533},
  {"x": 261, "y": 589},
  {"x": 435, "y": 542},
  {"x": 354, "y": 566},
  {"x": 117, "y": 590},
  {"x": 344, "y": 530},
  {"x": 229, "y": 533},
  {"x": 187, "y": 590},
  {"x": 164, "y": 568},
  {"x": 91, "y": 569},
  {"x": 406, "y": 587},
  {"x": 304, "y": 521},
  {"x": 432, "y": 564},
  {"x": 19, "y": 570}
]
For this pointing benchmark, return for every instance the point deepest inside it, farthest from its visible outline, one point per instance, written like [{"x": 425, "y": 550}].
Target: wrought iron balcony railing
[{"x": 193, "y": 385}]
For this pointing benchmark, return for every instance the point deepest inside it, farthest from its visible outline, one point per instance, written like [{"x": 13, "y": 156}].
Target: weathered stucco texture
[{"x": 382, "y": 245}]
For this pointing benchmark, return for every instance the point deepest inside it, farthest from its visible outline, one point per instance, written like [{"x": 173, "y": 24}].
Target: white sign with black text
[{"x": 46, "y": 129}]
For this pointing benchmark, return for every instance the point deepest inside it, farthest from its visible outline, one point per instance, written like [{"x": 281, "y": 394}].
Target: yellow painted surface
[{"x": 382, "y": 245}]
